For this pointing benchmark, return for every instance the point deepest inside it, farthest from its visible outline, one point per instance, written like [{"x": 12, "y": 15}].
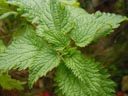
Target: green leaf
[
  {"x": 74, "y": 3},
  {"x": 4, "y": 7},
  {"x": 30, "y": 52},
  {"x": 20, "y": 53},
  {"x": 77, "y": 11},
  {"x": 23, "y": 31},
  {"x": 69, "y": 85},
  {"x": 90, "y": 27},
  {"x": 84, "y": 35},
  {"x": 88, "y": 72},
  {"x": 2, "y": 46},
  {"x": 111, "y": 19},
  {"x": 86, "y": 28},
  {"x": 45, "y": 61},
  {"x": 5, "y": 15},
  {"x": 60, "y": 40},
  {"x": 51, "y": 18},
  {"x": 6, "y": 82}
]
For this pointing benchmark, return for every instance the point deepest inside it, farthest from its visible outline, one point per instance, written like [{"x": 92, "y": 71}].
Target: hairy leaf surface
[
  {"x": 20, "y": 53},
  {"x": 60, "y": 40},
  {"x": 51, "y": 18},
  {"x": 68, "y": 84},
  {"x": 61, "y": 26},
  {"x": 26, "y": 52},
  {"x": 90, "y": 27},
  {"x": 111, "y": 19},
  {"x": 45, "y": 61},
  {"x": 88, "y": 72}
]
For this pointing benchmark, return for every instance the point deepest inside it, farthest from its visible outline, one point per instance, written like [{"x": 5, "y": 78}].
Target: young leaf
[
  {"x": 45, "y": 61},
  {"x": 89, "y": 73},
  {"x": 60, "y": 40}
]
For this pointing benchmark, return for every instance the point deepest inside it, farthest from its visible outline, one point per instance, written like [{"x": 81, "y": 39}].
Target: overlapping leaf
[
  {"x": 88, "y": 72},
  {"x": 68, "y": 84},
  {"x": 111, "y": 19},
  {"x": 55, "y": 23},
  {"x": 45, "y": 61},
  {"x": 86, "y": 29},
  {"x": 90, "y": 27},
  {"x": 58, "y": 39},
  {"x": 20, "y": 53},
  {"x": 50, "y": 16},
  {"x": 29, "y": 51}
]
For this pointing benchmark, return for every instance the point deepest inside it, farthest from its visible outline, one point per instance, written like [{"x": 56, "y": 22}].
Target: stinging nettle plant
[{"x": 61, "y": 28}]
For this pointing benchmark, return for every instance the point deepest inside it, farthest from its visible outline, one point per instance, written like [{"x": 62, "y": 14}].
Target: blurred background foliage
[{"x": 111, "y": 51}]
